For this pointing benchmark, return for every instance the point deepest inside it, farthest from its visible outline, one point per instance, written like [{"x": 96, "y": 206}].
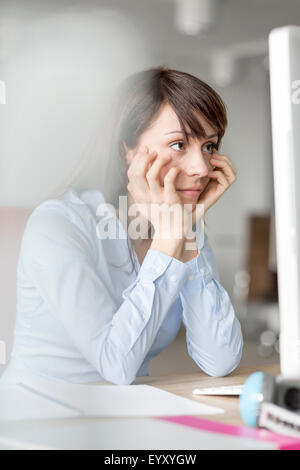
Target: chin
[{"x": 190, "y": 200}]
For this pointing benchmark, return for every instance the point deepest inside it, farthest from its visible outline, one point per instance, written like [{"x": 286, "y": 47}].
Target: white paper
[
  {"x": 20, "y": 404},
  {"x": 63, "y": 399}
]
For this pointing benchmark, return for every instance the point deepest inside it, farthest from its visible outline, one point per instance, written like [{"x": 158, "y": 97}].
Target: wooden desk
[{"x": 184, "y": 384}]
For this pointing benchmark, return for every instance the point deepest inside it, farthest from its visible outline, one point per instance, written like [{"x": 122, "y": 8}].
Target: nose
[{"x": 196, "y": 163}]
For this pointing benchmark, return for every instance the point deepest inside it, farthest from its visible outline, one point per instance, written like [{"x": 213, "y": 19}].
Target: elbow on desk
[
  {"x": 222, "y": 370},
  {"x": 120, "y": 381},
  {"x": 226, "y": 363},
  {"x": 118, "y": 377},
  {"x": 115, "y": 371},
  {"x": 221, "y": 364}
]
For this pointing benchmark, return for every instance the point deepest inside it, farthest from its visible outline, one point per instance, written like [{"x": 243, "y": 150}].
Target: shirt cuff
[
  {"x": 169, "y": 272},
  {"x": 198, "y": 267}
]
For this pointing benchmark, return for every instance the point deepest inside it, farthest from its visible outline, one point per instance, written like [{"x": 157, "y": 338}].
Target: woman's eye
[
  {"x": 178, "y": 146},
  {"x": 210, "y": 148}
]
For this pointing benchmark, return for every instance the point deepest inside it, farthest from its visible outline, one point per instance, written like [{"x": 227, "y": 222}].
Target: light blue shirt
[{"x": 83, "y": 317}]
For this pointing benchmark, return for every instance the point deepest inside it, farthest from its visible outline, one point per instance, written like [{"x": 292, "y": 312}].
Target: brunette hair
[{"x": 138, "y": 101}]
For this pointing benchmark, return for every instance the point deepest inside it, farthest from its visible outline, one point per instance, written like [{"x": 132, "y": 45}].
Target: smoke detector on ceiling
[{"x": 195, "y": 16}]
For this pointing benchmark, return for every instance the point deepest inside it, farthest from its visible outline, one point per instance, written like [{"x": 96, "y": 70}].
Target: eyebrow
[{"x": 180, "y": 132}]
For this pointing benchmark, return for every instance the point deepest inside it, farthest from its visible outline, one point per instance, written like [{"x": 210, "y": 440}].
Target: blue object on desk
[{"x": 251, "y": 398}]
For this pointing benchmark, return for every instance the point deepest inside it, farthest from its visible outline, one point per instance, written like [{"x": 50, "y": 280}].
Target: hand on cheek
[
  {"x": 221, "y": 178},
  {"x": 164, "y": 171},
  {"x": 165, "y": 168}
]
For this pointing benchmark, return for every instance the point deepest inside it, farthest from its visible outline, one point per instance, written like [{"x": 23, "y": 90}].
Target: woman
[{"x": 83, "y": 313}]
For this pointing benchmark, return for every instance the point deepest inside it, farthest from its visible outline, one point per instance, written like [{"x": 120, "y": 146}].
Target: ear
[
  {"x": 124, "y": 146},
  {"x": 127, "y": 152}
]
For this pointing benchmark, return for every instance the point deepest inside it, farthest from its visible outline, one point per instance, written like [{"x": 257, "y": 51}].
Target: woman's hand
[
  {"x": 158, "y": 204},
  {"x": 221, "y": 179}
]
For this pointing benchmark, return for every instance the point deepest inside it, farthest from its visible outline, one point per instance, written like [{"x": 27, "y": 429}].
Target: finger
[
  {"x": 137, "y": 171},
  {"x": 140, "y": 161},
  {"x": 152, "y": 175},
  {"x": 143, "y": 162},
  {"x": 220, "y": 177},
  {"x": 220, "y": 157},
  {"x": 227, "y": 169},
  {"x": 169, "y": 183}
]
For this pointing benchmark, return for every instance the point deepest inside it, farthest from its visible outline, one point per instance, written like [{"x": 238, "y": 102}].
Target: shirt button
[
  {"x": 144, "y": 315},
  {"x": 157, "y": 270},
  {"x": 173, "y": 278},
  {"x": 191, "y": 278},
  {"x": 202, "y": 271}
]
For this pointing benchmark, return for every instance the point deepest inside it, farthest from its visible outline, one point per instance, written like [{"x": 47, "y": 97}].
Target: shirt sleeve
[
  {"x": 213, "y": 333},
  {"x": 59, "y": 259}
]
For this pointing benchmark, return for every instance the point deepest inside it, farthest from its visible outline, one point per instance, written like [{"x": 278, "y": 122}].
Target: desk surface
[
  {"x": 138, "y": 433},
  {"x": 184, "y": 384}
]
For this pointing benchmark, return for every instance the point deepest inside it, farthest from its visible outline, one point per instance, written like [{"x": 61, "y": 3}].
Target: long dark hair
[{"x": 136, "y": 104}]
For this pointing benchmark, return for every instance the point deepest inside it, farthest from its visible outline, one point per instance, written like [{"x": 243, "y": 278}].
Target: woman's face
[{"x": 193, "y": 158}]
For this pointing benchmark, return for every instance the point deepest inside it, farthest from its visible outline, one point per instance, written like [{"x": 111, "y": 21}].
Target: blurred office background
[{"x": 60, "y": 62}]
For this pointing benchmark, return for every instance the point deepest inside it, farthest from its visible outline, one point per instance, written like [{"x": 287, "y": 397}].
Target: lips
[
  {"x": 194, "y": 188},
  {"x": 190, "y": 192}
]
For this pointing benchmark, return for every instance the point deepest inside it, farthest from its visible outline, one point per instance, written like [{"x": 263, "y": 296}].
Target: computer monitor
[{"x": 284, "y": 54}]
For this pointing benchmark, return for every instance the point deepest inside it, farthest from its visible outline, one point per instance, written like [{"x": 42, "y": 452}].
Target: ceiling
[{"x": 239, "y": 20}]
